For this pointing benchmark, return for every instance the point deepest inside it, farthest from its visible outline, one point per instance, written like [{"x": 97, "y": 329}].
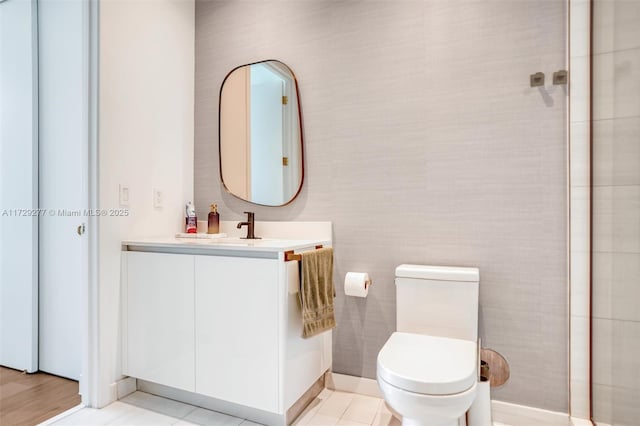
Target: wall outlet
[
  {"x": 158, "y": 198},
  {"x": 123, "y": 191}
]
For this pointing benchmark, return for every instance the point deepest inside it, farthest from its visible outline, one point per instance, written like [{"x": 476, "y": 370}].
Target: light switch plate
[
  {"x": 123, "y": 191},
  {"x": 158, "y": 198}
]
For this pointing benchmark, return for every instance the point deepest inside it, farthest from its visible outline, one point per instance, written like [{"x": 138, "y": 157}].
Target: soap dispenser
[
  {"x": 214, "y": 220},
  {"x": 191, "y": 221}
]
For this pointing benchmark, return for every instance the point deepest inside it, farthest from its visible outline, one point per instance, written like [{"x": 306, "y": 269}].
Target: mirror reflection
[{"x": 261, "y": 134}]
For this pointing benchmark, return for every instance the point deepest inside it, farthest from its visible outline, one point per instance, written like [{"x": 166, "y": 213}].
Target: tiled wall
[
  {"x": 616, "y": 215},
  {"x": 424, "y": 144}
]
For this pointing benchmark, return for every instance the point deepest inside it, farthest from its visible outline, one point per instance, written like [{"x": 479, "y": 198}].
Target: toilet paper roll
[{"x": 356, "y": 284}]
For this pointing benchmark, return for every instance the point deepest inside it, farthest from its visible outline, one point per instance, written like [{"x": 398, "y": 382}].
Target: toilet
[{"x": 427, "y": 371}]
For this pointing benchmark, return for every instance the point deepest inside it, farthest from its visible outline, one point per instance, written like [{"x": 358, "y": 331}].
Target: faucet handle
[{"x": 250, "y": 226}]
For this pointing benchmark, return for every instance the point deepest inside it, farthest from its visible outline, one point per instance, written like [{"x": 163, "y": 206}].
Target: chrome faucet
[{"x": 250, "y": 226}]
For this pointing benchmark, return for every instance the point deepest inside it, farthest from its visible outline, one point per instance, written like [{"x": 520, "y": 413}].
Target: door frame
[
  {"x": 89, "y": 384},
  {"x": 90, "y": 377},
  {"x": 288, "y": 127}
]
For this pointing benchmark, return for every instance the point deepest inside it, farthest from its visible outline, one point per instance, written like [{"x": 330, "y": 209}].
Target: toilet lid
[{"x": 428, "y": 364}]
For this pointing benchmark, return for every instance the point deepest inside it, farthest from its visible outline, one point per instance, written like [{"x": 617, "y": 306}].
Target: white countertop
[{"x": 223, "y": 244}]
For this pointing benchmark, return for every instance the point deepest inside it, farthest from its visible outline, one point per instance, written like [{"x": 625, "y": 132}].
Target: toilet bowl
[
  {"x": 427, "y": 371},
  {"x": 427, "y": 380}
]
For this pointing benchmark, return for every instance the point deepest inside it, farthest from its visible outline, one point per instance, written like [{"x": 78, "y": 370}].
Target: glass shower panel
[{"x": 616, "y": 213}]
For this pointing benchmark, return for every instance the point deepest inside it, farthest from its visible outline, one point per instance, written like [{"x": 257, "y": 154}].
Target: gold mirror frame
[{"x": 296, "y": 147}]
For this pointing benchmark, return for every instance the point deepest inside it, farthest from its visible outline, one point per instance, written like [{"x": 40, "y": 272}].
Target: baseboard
[
  {"x": 353, "y": 384},
  {"x": 112, "y": 396},
  {"x": 583, "y": 422},
  {"x": 299, "y": 406},
  {"x": 126, "y": 386},
  {"x": 522, "y": 415}
]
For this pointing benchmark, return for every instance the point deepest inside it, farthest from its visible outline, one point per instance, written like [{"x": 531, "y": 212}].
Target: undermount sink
[
  {"x": 239, "y": 241},
  {"x": 214, "y": 239},
  {"x": 236, "y": 242}
]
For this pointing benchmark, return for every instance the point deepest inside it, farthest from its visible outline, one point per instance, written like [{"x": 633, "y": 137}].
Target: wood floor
[{"x": 28, "y": 399}]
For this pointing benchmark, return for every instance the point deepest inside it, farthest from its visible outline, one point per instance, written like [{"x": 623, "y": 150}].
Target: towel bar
[{"x": 290, "y": 255}]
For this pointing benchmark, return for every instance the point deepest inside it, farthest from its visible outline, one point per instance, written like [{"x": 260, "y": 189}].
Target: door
[
  {"x": 18, "y": 186},
  {"x": 266, "y": 135},
  {"x": 63, "y": 151}
]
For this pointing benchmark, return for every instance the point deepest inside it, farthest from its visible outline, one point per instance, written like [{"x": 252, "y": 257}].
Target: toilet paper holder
[
  {"x": 496, "y": 367},
  {"x": 367, "y": 282},
  {"x": 357, "y": 284}
]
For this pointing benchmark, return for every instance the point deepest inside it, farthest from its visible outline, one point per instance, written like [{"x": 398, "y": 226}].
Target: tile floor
[
  {"x": 143, "y": 409},
  {"x": 330, "y": 408},
  {"x": 333, "y": 408}
]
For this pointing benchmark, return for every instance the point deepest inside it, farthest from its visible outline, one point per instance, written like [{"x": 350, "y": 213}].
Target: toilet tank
[{"x": 438, "y": 301}]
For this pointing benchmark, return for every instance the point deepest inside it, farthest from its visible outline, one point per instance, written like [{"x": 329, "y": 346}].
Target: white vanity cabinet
[
  {"x": 158, "y": 313},
  {"x": 237, "y": 329},
  {"x": 219, "y": 326}
]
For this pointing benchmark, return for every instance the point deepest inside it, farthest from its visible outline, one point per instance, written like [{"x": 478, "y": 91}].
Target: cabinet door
[
  {"x": 237, "y": 330},
  {"x": 158, "y": 321}
]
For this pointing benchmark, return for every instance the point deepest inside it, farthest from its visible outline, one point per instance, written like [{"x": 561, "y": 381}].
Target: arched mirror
[{"x": 260, "y": 133}]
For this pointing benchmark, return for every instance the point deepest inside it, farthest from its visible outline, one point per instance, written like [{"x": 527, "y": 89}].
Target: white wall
[
  {"x": 18, "y": 185},
  {"x": 145, "y": 140}
]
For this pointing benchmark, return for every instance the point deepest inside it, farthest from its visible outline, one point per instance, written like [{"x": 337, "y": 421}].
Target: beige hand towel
[{"x": 317, "y": 291}]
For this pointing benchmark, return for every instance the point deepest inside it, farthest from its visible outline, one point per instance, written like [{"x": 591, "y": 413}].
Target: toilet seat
[{"x": 429, "y": 365}]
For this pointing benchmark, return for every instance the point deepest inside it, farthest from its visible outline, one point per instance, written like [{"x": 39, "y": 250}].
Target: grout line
[
  {"x": 377, "y": 409},
  {"x": 616, "y": 118},
  {"x": 614, "y": 252},
  {"x": 612, "y": 319},
  {"x": 601, "y": 185},
  {"x": 190, "y": 412},
  {"x": 609, "y": 52},
  {"x": 348, "y": 405}
]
